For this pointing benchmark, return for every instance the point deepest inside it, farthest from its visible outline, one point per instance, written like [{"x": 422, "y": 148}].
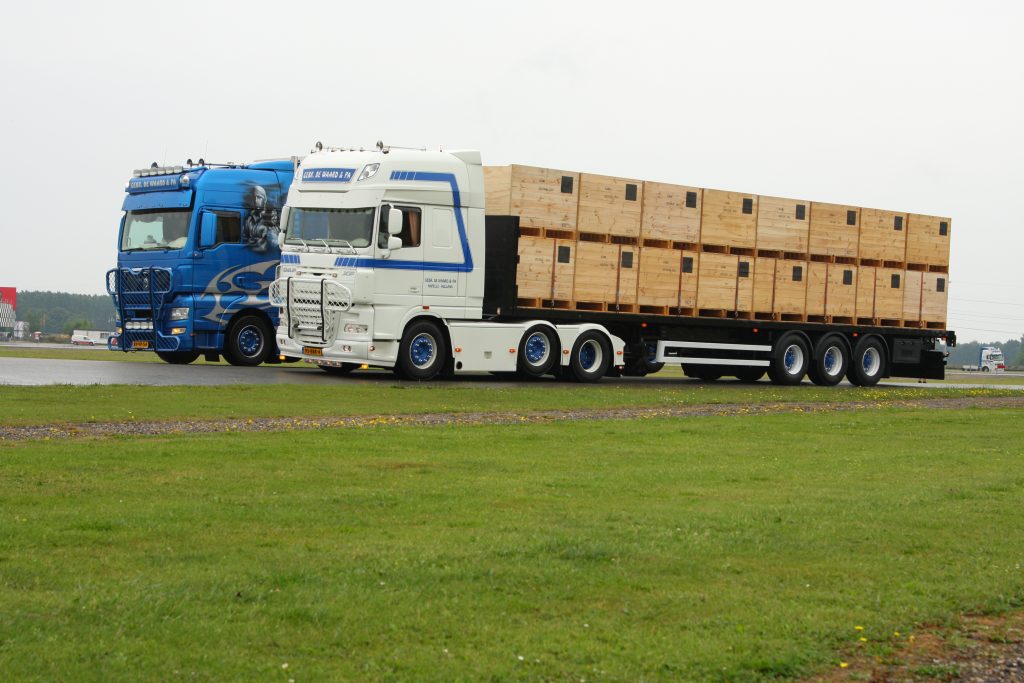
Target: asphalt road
[{"x": 36, "y": 372}]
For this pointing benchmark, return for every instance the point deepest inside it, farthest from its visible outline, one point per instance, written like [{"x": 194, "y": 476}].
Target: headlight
[
  {"x": 352, "y": 328},
  {"x": 179, "y": 313}
]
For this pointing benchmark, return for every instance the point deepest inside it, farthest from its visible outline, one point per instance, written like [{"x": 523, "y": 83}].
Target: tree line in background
[{"x": 60, "y": 312}]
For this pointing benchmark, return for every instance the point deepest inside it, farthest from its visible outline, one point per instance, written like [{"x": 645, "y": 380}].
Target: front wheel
[
  {"x": 249, "y": 341},
  {"x": 177, "y": 357},
  {"x": 422, "y": 353},
  {"x": 868, "y": 363},
  {"x": 591, "y": 357}
]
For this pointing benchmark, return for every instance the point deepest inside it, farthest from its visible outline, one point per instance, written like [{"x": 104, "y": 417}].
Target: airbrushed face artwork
[{"x": 263, "y": 224}]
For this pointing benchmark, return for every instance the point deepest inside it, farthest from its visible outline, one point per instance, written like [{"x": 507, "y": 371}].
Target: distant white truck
[{"x": 990, "y": 359}]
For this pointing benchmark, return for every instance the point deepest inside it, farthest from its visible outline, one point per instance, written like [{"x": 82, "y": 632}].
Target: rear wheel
[
  {"x": 591, "y": 357},
  {"x": 422, "y": 353},
  {"x": 177, "y": 357},
  {"x": 248, "y": 341},
  {"x": 538, "y": 351},
  {"x": 868, "y": 362},
  {"x": 643, "y": 362},
  {"x": 790, "y": 358},
  {"x": 830, "y": 362}
]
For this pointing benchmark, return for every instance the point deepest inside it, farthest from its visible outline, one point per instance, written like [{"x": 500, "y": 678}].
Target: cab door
[
  {"x": 398, "y": 273},
  {"x": 443, "y": 280}
]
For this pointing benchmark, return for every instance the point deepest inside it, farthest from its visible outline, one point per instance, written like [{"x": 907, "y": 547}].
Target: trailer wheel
[
  {"x": 790, "y": 358},
  {"x": 249, "y": 341},
  {"x": 591, "y": 357},
  {"x": 343, "y": 369},
  {"x": 750, "y": 374},
  {"x": 705, "y": 373},
  {"x": 177, "y": 357},
  {"x": 868, "y": 362},
  {"x": 831, "y": 361},
  {"x": 538, "y": 351},
  {"x": 422, "y": 351}
]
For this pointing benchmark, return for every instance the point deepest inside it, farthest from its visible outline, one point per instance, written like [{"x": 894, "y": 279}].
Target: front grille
[{"x": 312, "y": 306}]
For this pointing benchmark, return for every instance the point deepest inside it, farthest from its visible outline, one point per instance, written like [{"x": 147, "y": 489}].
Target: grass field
[
  {"x": 740, "y": 549},
  {"x": 385, "y": 396}
]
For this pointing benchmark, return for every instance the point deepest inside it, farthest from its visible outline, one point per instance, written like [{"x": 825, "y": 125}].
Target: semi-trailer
[
  {"x": 197, "y": 251},
  {"x": 405, "y": 259}
]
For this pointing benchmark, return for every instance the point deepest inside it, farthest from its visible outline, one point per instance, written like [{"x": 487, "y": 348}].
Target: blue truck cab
[{"x": 197, "y": 251}]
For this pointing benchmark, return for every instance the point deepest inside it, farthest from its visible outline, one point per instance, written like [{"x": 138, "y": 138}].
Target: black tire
[
  {"x": 177, "y": 357},
  {"x": 538, "y": 351},
  {"x": 750, "y": 374},
  {"x": 868, "y": 363},
  {"x": 790, "y": 360},
  {"x": 422, "y": 353},
  {"x": 642, "y": 361},
  {"x": 705, "y": 373},
  {"x": 591, "y": 357},
  {"x": 831, "y": 361},
  {"x": 984, "y": 368},
  {"x": 343, "y": 369},
  {"x": 250, "y": 341}
]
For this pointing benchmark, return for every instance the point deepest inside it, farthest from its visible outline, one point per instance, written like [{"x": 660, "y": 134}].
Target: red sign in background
[{"x": 9, "y": 295}]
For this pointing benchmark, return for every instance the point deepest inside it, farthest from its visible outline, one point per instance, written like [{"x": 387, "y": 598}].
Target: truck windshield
[
  {"x": 155, "y": 229},
  {"x": 336, "y": 227}
]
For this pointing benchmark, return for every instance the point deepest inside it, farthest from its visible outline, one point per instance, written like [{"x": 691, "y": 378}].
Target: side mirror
[
  {"x": 208, "y": 229},
  {"x": 394, "y": 243},
  {"x": 394, "y": 223}
]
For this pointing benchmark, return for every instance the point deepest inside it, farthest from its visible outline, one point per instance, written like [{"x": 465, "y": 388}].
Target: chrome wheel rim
[
  {"x": 871, "y": 362},
  {"x": 833, "y": 361}
]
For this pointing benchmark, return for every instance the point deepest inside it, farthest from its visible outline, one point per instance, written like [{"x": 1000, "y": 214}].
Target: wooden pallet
[
  {"x": 558, "y": 304},
  {"x": 529, "y": 303},
  {"x": 683, "y": 311}
]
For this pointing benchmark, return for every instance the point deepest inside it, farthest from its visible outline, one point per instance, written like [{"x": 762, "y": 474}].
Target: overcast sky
[{"x": 914, "y": 106}]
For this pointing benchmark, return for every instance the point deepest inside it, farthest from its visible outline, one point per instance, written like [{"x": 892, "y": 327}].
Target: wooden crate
[
  {"x": 688, "y": 278},
  {"x": 534, "y": 274},
  {"x": 596, "y": 271},
  {"x": 764, "y": 285},
  {"x": 729, "y": 219},
  {"x": 782, "y": 225},
  {"x": 541, "y": 197},
  {"x": 659, "y": 277},
  {"x": 671, "y": 213},
  {"x": 866, "y": 291},
  {"x": 609, "y": 205},
  {"x": 716, "y": 286},
  {"x": 745, "y": 283},
  {"x": 883, "y": 235},
  {"x": 834, "y": 230},
  {"x": 564, "y": 269},
  {"x": 928, "y": 240},
  {"x": 817, "y": 287},
  {"x": 841, "y": 291},
  {"x": 889, "y": 298},
  {"x": 790, "y": 287},
  {"x": 934, "y": 297},
  {"x": 912, "y": 282}
]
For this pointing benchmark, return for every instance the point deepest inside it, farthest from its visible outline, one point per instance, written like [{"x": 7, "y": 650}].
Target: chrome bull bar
[{"x": 311, "y": 305}]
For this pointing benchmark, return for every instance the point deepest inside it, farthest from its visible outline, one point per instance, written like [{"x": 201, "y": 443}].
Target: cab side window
[
  {"x": 229, "y": 228},
  {"x": 412, "y": 226}
]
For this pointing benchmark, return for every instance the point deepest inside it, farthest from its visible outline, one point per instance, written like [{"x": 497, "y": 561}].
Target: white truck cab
[{"x": 383, "y": 264}]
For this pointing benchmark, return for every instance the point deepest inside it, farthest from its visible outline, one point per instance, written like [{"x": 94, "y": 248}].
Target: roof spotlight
[{"x": 319, "y": 146}]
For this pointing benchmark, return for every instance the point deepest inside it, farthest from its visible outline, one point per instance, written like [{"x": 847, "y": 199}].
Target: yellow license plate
[
  {"x": 140, "y": 344},
  {"x": 312, "y": 351}
]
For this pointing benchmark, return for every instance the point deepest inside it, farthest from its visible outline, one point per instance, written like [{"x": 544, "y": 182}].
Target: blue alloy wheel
[{"x": 422, "y": 350}]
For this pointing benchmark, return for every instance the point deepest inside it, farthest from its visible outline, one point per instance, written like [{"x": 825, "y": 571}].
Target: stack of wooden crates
[{"x": 601, "y": 243}]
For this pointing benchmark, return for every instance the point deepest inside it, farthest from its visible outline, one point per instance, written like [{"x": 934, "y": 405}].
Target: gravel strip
[{"x": 274, "y": 424}]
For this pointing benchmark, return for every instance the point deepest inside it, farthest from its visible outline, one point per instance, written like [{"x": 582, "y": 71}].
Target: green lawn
[
  {"x": 382, "y": 395},
  {"x": 740, "y": 549}
]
